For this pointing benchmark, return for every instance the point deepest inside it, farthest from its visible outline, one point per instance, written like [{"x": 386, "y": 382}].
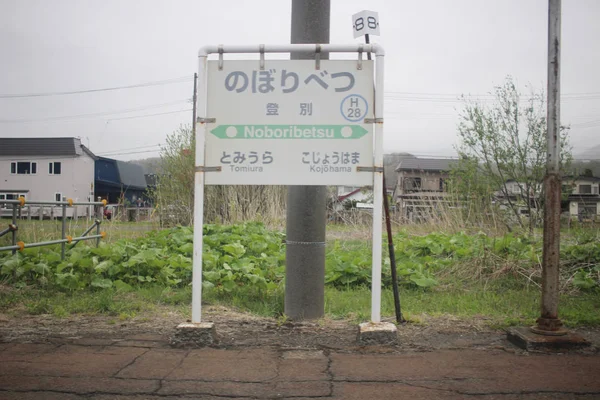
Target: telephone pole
[
  {"x": 306, "y": 213},
  {"x": 549, "y": 323},
  {"x": 194, "y": 107},
  {"x": 548, "y": 333}
]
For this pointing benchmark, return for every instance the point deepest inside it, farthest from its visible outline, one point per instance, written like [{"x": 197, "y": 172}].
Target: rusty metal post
[
  {"x": 549, "y": 323},
  {"x": 99, "y": 217},
  {"x": 14, "y": 223},
  {"x": 64, "y": 229},
  {"x": 388, "y": 227}
]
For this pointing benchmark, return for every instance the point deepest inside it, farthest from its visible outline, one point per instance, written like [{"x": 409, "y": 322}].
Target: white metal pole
[
  {"x": 377, "y": 192},
  {"x": 199, "y": 193},
  {"x": 288, "y": 48}
]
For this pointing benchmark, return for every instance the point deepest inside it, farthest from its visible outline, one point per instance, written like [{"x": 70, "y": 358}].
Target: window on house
[
  {"x": 23, "y": 167},
  {"x": 11, "y": 196},
  {"x": 594, "y": 189},
  {"x": 442, "y": 185},
  {"x": 58, "y": 196},
  {"x": 54, "y": 168},
  {"x": 412, "y": 183},
  {"x": 585, "y": 189}
]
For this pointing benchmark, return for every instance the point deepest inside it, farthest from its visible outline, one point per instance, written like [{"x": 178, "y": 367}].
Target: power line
[
  {"x": 91, "y": 115},
  {"x": 139, "y": 85},
  {"x": 130, "y": 148},
  {"x": 489, "y": 95},
  {"x": 133, "y": 152},
  {"x": 150, "y": 115}
]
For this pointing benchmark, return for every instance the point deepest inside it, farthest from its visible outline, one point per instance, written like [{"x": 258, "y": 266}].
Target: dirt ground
[{"x": 236, "y": 329}]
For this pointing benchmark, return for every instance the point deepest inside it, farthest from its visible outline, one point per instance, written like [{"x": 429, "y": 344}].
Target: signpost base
[
  {"x": 381, "y": 333},
  {"x": 525, "y": 338},
  {"x": 189, "y": 335}
]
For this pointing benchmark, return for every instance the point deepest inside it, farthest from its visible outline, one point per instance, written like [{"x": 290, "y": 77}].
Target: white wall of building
[{"x": 75, "y": 180}]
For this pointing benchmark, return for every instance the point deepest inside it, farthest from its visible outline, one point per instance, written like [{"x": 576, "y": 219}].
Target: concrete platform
[
  {"x": 525, "y": 338},
  {"x": 146, "y": 368},
  {"x": 382, "y": 333},
  {"x": 189, "y": 335}
]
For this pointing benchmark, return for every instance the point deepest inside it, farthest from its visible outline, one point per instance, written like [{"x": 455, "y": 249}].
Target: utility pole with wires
[
  {"x": 549, "y": 321},
  {"x": 306, "y": 214},
  {"x": 194, "y": 107},
  {"x": 548, "y": 333}
]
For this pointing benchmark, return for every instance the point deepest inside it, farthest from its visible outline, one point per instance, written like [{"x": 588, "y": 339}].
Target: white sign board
[
  {"x": 289, "y": 123},
  {"x": 365, "y": 23}
]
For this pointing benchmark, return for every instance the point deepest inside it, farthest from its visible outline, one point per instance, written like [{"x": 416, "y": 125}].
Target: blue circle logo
[{"x": 354, "y": 108}]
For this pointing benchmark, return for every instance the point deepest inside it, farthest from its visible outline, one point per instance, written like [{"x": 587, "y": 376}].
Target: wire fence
[{"x": 19, "y": 205}]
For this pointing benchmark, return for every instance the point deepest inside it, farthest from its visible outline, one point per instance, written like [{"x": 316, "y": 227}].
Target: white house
[
  {"x": 583, "y": 196},
  {"x": 46, "y": 169},
  {"x": 353, "y": 194}
]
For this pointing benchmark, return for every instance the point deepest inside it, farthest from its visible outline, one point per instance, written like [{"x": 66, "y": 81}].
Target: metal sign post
[{"x": 289, "y": 122}]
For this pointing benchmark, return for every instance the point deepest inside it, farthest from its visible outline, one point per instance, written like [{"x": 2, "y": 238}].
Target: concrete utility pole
[
  {"x": 549, "y": 323},
  {"x": 194, "y": 100},
  {"x": 306, "y": 205}
]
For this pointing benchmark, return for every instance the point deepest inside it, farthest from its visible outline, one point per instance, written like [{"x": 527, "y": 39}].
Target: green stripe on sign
[{"x": 289, "y": 131}]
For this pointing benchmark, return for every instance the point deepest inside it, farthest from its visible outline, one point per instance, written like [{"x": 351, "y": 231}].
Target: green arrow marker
[{"x": 289, "y": 131}]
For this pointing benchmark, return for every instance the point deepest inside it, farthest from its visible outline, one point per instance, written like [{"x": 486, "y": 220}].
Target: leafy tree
[
  {"x": 174, "y": 194},
  {"x": 503, "y": 153}
]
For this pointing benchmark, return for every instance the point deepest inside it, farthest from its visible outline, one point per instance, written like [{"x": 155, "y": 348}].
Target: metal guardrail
[{"x": 66, "y": 239}]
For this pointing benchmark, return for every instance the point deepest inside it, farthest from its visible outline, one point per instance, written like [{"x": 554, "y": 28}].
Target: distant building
[
  {"x": 421, "y": 186},
  {"x": 582, "y": 197},
  {"x": 349, "y": 196},
  {"x": 46, "y": 169},
  {"x": 120, "y": 182}
]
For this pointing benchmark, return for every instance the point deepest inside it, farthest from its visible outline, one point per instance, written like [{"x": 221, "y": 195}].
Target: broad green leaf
[
  {"x": 122, "y": 286},
  {"x": 103, "y": 266},
  {"x": 101, "y": 283},
  {"x": 235, "y": 249}
]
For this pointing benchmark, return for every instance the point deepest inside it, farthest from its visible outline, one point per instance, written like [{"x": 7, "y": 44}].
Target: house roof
[
  {"x": 43, "y": 146},
  {"x": 426, "y": 164},
  {"x": 117, "y": 173},
  {"x": 344, "y": 197},
  {"x": 132, "y": 175},
  {"x": 580, "y": 178}
]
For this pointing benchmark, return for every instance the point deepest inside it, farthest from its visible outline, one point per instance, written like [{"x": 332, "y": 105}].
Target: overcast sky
[{"x": 435, "y": 51}]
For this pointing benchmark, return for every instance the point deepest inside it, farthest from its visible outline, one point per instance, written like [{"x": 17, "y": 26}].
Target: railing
[{"x": 66, "y": 239}]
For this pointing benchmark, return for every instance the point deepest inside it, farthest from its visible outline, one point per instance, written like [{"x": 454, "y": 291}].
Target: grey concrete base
[
  {"x": 524, "y": 338},
  {"x": 194, "y": 335},
  {"x": 370, "y": 333}
]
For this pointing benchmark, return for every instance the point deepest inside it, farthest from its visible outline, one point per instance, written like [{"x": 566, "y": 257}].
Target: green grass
[
  {"x": 469, "y": 286},
  {"x": 499, "y": 306},
  {"x": 41, "y": 231}
]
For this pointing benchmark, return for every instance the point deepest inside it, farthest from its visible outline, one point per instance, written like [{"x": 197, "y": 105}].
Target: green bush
[{"x": 250, "y": 256}]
